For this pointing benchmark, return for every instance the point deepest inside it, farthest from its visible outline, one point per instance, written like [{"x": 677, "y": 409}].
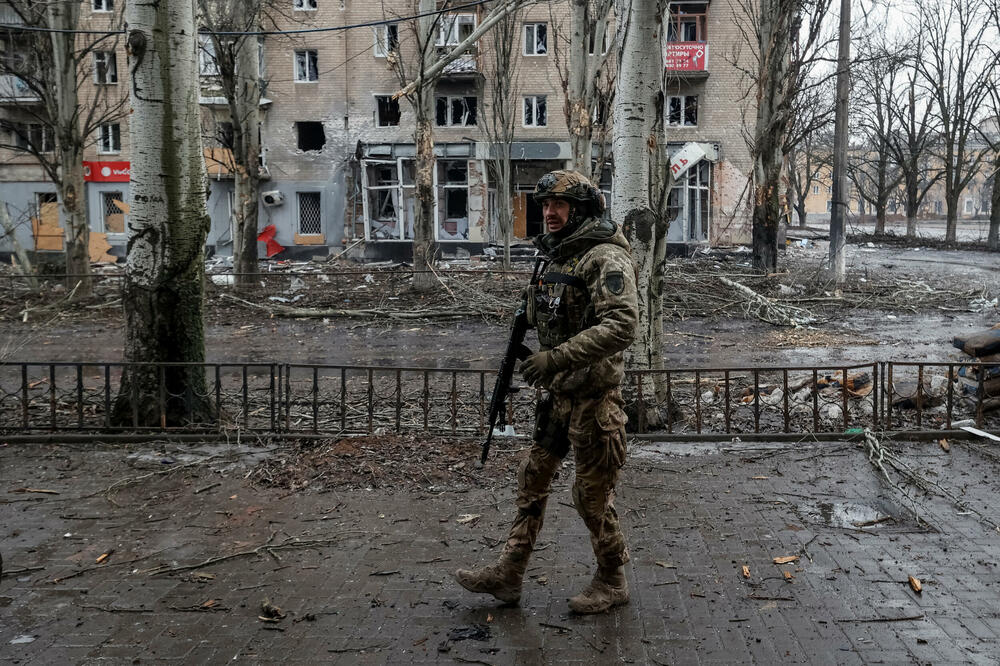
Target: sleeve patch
[{"x": 615, "y": 282}]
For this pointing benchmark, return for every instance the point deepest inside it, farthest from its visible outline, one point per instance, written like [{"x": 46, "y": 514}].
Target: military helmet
[{"x": 572, "y": 186}]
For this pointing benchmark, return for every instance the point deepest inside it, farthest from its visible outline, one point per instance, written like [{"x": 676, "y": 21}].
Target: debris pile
[{"x": 983, "y": 379}]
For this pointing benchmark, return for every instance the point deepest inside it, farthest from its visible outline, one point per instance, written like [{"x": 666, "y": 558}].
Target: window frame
[
  {"x": 524, "y": 115},
  {"x": 106, "y": 6},
  {"x": 675, "y": 19},
  {"x": 533, "y": 27},
  {"x": 107, "y": 197},
  {"x": 378, "y": 115},
  {"x": 683, "y": 102},
  {"x": 113, "y": 70},
  {"x": 115, "y": 137},
  {"x": 300, "y": 5},
  {"x": 298, "y": 212},
  {"x": 207, "y": 64},
  {"x": 449, "y": 101},
  {"x": 25, "y": 138},
  {"x": 315, "y": 63},
  {"x": 386, "y": 40},
  {"x": 607, "y": 42},
  {"x": 453, "y": 23}
]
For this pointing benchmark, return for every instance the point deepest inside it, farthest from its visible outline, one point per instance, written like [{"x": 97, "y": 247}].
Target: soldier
[{"x": 585, "y": 311}]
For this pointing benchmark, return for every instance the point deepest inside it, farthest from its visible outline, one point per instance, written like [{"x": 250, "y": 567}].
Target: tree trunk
[
  {"x": 636, "y": 110},
  {"x": 838, "y": 215},
  {"x": 168, "y": 223},
  {"x": 911, "y": 202},
  {"x": 578, "y": 117},
  {"x": 72, "y": 192},
  {"x": 951, "y": 225},
  {"x": 424, "y": 248},
  {"x": 993, "y": 239},
  {"x": 245, "y": 111}
]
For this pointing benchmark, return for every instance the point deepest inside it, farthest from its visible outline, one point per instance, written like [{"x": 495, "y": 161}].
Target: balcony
[
  {"x": 14, "y": 90},
  {"x": 465, "y": 66}
]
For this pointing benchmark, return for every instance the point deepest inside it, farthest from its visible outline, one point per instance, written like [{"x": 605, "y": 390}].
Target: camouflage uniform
[{"x": 585, "y": 311}]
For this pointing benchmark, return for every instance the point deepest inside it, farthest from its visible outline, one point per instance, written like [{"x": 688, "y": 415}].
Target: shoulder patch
[{"x": 615, "y": 282}]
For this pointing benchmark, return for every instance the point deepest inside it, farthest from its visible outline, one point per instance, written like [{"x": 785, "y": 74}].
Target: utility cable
[{"x": 302, "y": 31}]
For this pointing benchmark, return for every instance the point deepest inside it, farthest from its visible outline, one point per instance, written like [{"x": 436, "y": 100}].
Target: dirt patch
[
  {"x": 803, "y": 337},
  {"x": 390, "y": 463}
]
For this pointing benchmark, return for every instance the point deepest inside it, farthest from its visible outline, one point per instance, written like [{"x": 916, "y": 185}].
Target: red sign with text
[
  {"x": 687, "y": 57},
  {"x": 106, "y": 172}
]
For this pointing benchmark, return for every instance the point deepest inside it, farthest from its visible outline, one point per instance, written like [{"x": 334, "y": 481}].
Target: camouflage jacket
[{"x": 585, "y": 306}]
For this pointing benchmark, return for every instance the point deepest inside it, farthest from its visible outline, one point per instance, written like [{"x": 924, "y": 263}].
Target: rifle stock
[{"x": 516, "y": 351}]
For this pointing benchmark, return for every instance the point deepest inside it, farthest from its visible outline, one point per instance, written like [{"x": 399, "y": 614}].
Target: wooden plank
[
  {"x": 49, "y": 236},
  {"x": 98, "y": 249},
  {"x": 520, "y": 215},
  {"x": 310, "y": 239}
]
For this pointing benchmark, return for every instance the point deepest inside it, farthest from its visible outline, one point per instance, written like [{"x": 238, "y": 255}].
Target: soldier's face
[{"x": 556, "y": 214}]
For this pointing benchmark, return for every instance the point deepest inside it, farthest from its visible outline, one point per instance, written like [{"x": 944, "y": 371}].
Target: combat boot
[
  {"x": 502, "y": 580},
  {"x": 607, "y": 589}
]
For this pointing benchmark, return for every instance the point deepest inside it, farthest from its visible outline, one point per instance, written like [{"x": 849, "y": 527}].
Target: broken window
[
  {"x": 304, "y": 5},
  {"x": 682, "y": 111},
  {"x": 536, "y": 40},
  {"x": 33, "y": 137},
  {"x": 114, "y": 212},
  {"x": 386, "y": 111},
  {"x": 310, "y": 213},
  {"x": 386, "y": 39},
  {"x": 456, "y": 111},
  {"x": 207, "y": 64},
  {"x": 455, "y": 29},
  {"x": 306, "y": 66},
  {"x": 104, "y": 5},
  {"x": 105, "y": 67},
  {"x": 390, "y": 198},
  {"x": 534, "y": 111},
  {"x": 687, "y": 22},
  {"x": 600, "y": 114},
  {"x": 689, "y": 202},
  {"x": 311, "y": 135},
  {"x": 109, "y": 138},
  {"x": 453, "y": 199}
]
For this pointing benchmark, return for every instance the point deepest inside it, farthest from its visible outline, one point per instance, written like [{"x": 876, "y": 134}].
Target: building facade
[{"x": 338, "y": 147}]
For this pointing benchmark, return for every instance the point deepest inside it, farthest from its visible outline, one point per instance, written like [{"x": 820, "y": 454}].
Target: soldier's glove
[{"x": 538, "y": 368}]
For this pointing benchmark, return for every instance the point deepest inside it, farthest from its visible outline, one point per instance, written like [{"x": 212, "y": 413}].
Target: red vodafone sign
[
  {"x": 106, "y": 172},
  {"x": 687, "y": 57}
]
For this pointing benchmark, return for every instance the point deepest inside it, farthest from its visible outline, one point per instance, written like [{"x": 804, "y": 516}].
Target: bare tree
[
  {"x": 910, "y": 144},
  {"x": 808, "y": 145},
  {"x": 418, "y": 79},
  {"x": 54, "y": 67},
  {"x": 953, "y": 63},
  {"x": 499, "y": 121},
  {"x": 234, "y": 61},
  {"x": 585, "y": 72},
  {"x": 785, "y": 39},
  {"x": 990, "y": 134},
  {"x": 164, "y": 293},
  {"x": 872, "y": 167}
]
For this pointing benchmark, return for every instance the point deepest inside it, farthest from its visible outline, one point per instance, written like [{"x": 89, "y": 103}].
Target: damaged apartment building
[{"x": 338, "y": 152}]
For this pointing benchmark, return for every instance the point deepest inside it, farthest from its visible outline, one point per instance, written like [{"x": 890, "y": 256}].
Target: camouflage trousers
[{"x": 595, "y": 430}]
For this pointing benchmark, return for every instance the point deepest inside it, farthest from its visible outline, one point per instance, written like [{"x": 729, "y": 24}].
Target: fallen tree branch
[
  {"x": 768, "y": 310},
  {"x": 307, "y": 313}
]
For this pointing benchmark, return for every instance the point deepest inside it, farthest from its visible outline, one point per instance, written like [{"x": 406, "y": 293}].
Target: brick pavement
[{"x": 375, "y": 586}]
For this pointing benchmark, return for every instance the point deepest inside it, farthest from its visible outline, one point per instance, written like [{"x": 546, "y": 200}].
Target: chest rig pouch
[{"x": 559, "y": 305}]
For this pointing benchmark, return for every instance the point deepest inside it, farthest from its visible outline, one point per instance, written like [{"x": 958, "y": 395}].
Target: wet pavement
[{"x": 361, "y": 568}]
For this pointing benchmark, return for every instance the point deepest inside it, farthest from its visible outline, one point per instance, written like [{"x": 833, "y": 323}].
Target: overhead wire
[{"x": 259, "y": 33}]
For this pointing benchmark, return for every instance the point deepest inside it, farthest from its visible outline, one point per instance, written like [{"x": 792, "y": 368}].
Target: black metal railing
[{"x": 289, "y": 399}]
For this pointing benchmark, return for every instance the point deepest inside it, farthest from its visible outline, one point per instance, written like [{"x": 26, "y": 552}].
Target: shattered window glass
[
  {"x": 306, "y": 66},
  {"x": 453, "y": 200},
  {"x": 387, "y": 110},
  {"x": 114, "y": 216},
  {"x": 534, "y": 111},
  {"x": 691, "y": 111},
  {"x": 536, "y": 39},
  {"x": 458, "y": 111}
]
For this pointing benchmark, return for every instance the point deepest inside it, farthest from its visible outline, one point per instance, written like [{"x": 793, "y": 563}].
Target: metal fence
[{"x": 296, "y": 399}]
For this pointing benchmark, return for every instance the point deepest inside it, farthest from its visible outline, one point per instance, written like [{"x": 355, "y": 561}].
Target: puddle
[{"x": 846, "y": 514}]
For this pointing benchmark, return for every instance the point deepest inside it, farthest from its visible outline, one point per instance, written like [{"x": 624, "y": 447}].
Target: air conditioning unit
[{"x": 272, "y": 198}]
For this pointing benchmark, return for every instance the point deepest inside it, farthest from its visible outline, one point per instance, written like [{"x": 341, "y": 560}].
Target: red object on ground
[{"x": 267, "y": 235}]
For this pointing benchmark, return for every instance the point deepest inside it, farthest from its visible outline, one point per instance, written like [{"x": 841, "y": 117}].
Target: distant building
[{"x": 338, "y": 150}]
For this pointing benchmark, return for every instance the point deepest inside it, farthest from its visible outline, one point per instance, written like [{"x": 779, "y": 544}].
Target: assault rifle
[{"x": 516, "y": 351}]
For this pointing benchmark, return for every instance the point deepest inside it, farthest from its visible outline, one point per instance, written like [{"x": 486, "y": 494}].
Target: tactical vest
[{"x": 559, "y": 305}]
